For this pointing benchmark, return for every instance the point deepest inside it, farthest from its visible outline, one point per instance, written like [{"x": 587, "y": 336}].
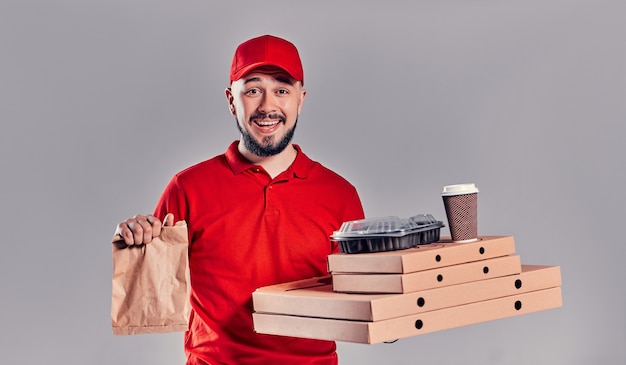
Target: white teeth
[{"x": 266, "y": 124}]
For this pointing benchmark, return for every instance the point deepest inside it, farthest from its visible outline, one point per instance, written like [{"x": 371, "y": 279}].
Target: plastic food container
[{"x": 387, "y": 233}]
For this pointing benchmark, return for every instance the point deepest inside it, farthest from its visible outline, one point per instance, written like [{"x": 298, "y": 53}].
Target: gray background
[{"x": 102, "y": 101}]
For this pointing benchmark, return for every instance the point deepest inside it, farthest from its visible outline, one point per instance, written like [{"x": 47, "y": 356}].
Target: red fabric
[
  {"x": 266, "y": 50},
  {"x": 247, "y": 231}
]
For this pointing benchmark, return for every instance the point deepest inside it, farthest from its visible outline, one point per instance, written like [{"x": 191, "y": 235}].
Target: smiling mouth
[{"x": 267, "y": 122}]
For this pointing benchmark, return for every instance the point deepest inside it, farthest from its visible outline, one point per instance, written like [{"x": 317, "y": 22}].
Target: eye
[
  {"x": 253, "y": 91},
  {"x": 283, "y": 91}
]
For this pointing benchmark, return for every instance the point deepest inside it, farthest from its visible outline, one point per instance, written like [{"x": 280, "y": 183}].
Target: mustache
[{"x": 278, "y": 116}]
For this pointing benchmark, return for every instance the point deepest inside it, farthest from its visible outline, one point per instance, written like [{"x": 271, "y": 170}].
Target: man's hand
[{"x": 141, "y": 229}]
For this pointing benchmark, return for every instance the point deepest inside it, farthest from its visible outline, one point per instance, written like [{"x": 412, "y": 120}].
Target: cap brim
[{"x": 249, "y": 68}]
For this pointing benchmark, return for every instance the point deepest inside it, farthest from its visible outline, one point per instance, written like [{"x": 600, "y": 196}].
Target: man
[{"x": 259, "y": 214}]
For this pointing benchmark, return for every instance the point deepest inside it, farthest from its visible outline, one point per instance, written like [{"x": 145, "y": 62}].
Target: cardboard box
[
  {"x": 315, "y": 298},
  {"x": 427, "y": 279},
  {"x": 423, "y": 257},
  {"x": 410, "y": 325}
]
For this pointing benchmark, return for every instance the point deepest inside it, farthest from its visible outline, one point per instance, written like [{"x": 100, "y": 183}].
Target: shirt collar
[{"x": 299, "y": 168}]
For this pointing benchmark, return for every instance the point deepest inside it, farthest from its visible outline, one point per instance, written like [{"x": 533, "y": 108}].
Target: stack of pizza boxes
[{"x": 396, "y": 278}]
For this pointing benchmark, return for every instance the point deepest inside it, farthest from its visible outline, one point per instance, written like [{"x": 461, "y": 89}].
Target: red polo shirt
[{"x": 248, "y": 230}]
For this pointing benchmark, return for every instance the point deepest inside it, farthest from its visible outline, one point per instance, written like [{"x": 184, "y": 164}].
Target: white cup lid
[{"x": 459, "y": 189}]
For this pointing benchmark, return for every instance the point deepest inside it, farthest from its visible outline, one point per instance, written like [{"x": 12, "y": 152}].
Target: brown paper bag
[{"x": 151, "y": 284}]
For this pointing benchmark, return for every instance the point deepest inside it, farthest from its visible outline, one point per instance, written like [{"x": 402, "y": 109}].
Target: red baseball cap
[{"x": 266, "y": 50}]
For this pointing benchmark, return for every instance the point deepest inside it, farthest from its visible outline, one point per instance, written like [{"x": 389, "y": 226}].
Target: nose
[{"x": 268, "y": 104}]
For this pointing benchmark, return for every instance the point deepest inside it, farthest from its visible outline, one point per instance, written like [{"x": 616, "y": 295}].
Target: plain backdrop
[{"x": 102, "y": 101}]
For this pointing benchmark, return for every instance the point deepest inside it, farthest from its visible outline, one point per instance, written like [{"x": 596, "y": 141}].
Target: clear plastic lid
[{"x": 386, "y": 226}]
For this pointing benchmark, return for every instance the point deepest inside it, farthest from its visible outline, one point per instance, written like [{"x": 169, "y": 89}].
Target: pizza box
[
  {"x": 408, "y": 325},
  {"x": 427, "y": 279},
  {"x": 315, "y": 297},
  {"x": 423, "y": 257}
]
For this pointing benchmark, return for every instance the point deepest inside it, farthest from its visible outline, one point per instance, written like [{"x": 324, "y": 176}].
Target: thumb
[{"x": 168, "y": 221}]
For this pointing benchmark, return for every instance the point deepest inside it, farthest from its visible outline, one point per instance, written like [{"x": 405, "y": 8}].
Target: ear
[
  {"x": 230, "y": 99},
  {"x": 302, "y": 96}
]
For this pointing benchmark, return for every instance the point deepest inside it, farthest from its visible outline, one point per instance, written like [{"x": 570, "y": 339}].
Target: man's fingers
[
  {"x": 124, "y": 230},
  {"x": 133, "y": 234},
  {"x": 155, "y": 223},
  {"x": 168, "y": 221},
  {"x": 142, "y": 229}
]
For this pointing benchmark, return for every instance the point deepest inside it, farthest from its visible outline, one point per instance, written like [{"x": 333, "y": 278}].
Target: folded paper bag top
[{"x": 150, "y": 292}]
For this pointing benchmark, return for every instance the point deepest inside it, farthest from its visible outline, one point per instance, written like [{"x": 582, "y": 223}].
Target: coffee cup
[{"x": 461, "y": 205}]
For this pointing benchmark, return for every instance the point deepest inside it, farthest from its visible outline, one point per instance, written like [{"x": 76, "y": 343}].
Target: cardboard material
[
  {"x": 410, "y": 325},
  {"x": 315, "y": 298},
  {"x": 439, "y": 254},
  {"x": 427, "y": 279}
]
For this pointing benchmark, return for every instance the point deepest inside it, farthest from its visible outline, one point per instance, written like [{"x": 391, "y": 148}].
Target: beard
[{"x": 268, "y": 146}]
